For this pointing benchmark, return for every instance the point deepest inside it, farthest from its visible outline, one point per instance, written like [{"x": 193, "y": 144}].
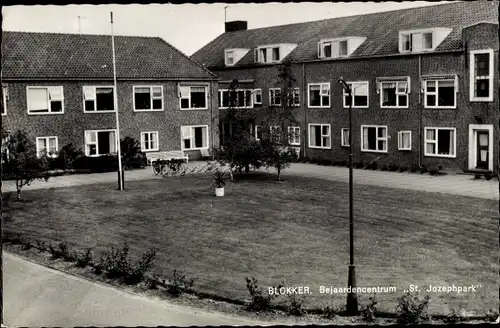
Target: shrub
[
  {"x": 294, "y": 305},
  {"x": 329, "y": 312},
  {"x": 368, "y": 311},
  {"x": 41, "y": 246},
  {"x": 393, "y": 168},
  {"x": 412, "y": 309},
  {"x": 423, "y": 169},
  {"x": 373, "y": 165},
  {"x": 488, "y": 176},
  {"x": 258, "y": 301},
  {"x": 83, "y": 260},
  {"x": 453, "y": 317},
  {"x": 115, "y": 262},
  {"x": 179, "y": 284},
  {"x": 138, "y": 271},
  {"x": 61, "y": 251},
  {"x": 384, "y": 168},
  {"x": 434, "y": 170},
  {"x": 477, "y": 176},
  {"x": 344, "y": 163},
  {"x": 67, "y": 156},
  {"x": 27, "y": 245},
  {"x": 99, "y": 164},
  {"x": 360, "y": 165},
  {"x": 132, "y": 156},
  {"x": 492, "y": 315}
]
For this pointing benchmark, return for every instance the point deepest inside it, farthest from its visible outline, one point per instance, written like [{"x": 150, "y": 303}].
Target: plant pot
[{"x": 219, "y": 192}]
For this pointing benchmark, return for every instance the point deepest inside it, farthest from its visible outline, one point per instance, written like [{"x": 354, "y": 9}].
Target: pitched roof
[
  {"x": 73, "y": 56},
  {"x": 381, "y": 30}
]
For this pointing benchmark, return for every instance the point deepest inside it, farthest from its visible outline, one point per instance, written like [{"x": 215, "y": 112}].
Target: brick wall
[
  {"x": 414, "y": 118},
  {"x": 70, "y": 126}
]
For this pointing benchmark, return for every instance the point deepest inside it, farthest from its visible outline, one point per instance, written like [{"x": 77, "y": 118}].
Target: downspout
[
  {"x": 420, "y": 111},
  {"x": 304, "y": 101},
  {"x": 212, "y": 129}
]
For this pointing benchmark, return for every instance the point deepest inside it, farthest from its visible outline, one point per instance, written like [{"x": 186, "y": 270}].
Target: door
[{"x": 483, "y": 149}]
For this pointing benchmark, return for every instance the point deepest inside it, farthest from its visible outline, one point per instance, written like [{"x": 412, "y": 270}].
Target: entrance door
[{"x": 483, "y": 149}]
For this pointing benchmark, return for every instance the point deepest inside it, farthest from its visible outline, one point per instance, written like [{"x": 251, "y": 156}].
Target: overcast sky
[{"x": 188, "y": 26}]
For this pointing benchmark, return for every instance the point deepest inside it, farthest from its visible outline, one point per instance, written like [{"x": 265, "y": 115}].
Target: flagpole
[{"x": 115, "y": 98}]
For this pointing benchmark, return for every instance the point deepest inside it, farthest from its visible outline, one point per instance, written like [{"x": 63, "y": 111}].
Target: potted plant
[{"x": 220, "y": 178}]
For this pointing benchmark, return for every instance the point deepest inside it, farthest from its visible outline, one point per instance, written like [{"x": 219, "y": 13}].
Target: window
[
  {"x": 481, "y": 75},
  {"x": 229, "y": 58},
  {"x": 417, "y": 41},
  {"x": 193, "y": 97},
  {"x": 268, "y": 54},
  {"x": 149, "y": 141},
  {"x": 46, "y": 146},
  {"x": 258, "y": 133},
  {"x": 194, "y": 137},
  {"x": 98, "y": 99},
  {"x": 293, "y": 97},
  {"x": 45, "y": 100},
  {"x": 427, "y": 41},
  {"x": 404, "y": 140},
  {"x": 374, "y": 138},
  {"x": 275, "y": 96},
  {"x": 242, "y": 98},
  {"x": 257, "y": 96},
  {"x": 319, "y": 136},
  {"x": 4, "y": 100},
  {"x": 440, "y": 142},
  {"x": 319, "y": 95},
  {"x": 275, "y": 133},
  {"x": 333, "y": 48},
  {"x": 440, "y": 93},
  {"x": 394, "y": 94},
  {"x": 100, "y": 142},
  {"x": 294, "y": 135},
  {"x": 344, "y": 142},
  {"x": 359, "y": 92},
  {"x": 148, "y": 98}
]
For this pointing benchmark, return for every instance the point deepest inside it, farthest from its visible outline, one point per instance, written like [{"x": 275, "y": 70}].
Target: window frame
[
  {"x": 151, "y": 98},
  {"x": 400, "y": 140},
  {"x": 436, "y": 142},
  {"x": 436, "y": 93},
  {"x": 95, "y": 87},
  {"x": 193, "y": 86},
  {"x": 309, "y": 85},
  {"x": 192, "y": 137},
  {"x": 256, "y": 132},
  {"x": 236, "y": 90},
  {"x": 49, "y": 112},
  {"x": 254, "y": 95},
  {"x": 293, "y": 134},
  {"x": 38, "y": 155},
  {"x": 397, "y": 81},
  {"x": 473, "y": 77},
  {"x": 97, "y": 141},
  {"x": 377, "y": 139},
  {"x": 342, "y": 132},
  {"x": 226, "y": 53},
  {"x": 5, "y": 93},
  {"x": 351, "y": 85},
  {"x": 330, "y": 42},
  {"x": 271, "y": 97},
  {"x": 143, "y": 141},
  {"x": 269, "y": 49},
  {"x": 322, "y": 135},
  {"x": 411, "y": 35}
]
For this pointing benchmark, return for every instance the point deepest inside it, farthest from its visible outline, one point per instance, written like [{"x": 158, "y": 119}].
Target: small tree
[
  {"x": 132, "y": 155},
  {"x": 22, "y": 162}
]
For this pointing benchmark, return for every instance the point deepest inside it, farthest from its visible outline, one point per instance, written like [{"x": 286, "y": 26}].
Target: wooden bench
[{"x": 166, "y": 156}]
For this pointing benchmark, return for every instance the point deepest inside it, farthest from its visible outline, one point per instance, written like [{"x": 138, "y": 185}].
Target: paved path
[
  {"x": 35, "y": 296},
  {"x": 455, "y": 184}
]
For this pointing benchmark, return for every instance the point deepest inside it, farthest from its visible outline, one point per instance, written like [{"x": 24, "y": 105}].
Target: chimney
[{"x": 236, "y": 26}]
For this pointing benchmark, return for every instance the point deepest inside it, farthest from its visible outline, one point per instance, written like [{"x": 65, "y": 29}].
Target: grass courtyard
[{"x": 296, "y": 231}]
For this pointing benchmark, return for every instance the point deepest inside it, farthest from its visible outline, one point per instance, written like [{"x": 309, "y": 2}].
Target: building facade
[
  {"x": 60, "y": 89},
  {"x": 424, "y": 83}
]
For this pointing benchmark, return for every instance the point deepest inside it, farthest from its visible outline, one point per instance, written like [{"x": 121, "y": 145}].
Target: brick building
[
  {"x": 60, "y": 89},
  {"x": 424, "y": 81}
]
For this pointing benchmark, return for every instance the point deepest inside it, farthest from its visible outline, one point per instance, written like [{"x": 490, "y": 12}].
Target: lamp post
[{"x": 352, "y": 299}]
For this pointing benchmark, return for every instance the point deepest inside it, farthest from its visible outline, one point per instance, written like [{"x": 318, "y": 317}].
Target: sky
[{"x": 188, "y": 27}]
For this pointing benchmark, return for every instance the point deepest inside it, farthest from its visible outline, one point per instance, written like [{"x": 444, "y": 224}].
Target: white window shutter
[
  {"x": 55, "y": 93},
  {"x": 186, "y": 132},
  {"x": 38, "y": 99}
]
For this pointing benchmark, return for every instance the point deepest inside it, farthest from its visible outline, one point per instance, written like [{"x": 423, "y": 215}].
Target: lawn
[{"x": 296, "y": 230}]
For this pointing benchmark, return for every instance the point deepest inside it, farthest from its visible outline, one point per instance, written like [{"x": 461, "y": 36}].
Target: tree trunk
[
  {"x": 18, "y": 194},
  {"x": 279, "y": 172},
  {"x": 247, "y": 169}
]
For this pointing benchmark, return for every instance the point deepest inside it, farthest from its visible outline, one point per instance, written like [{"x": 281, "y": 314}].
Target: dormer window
[
  {"x": 232, "y": 56},
  {"x": 272, "y": 53},
  {"x": 338, "y": 48},
  {"x": 229, "y": 58},
  {"x": 422, "y": 40}
]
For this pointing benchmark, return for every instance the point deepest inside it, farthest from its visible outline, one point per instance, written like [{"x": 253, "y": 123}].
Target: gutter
[
  {"x": 420, "y": 111},
  {"x": 106, "y": 79},
  {"x": 304, "y": 92}
]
